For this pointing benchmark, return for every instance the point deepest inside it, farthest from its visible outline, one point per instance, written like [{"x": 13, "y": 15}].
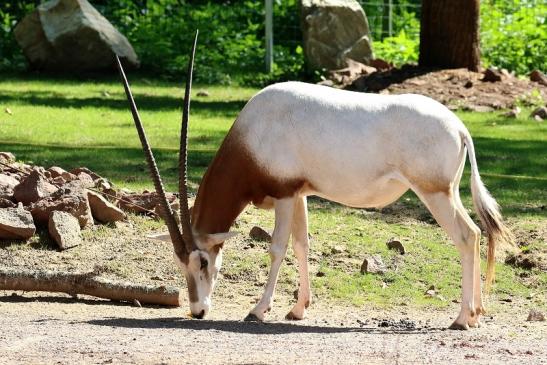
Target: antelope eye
[{"x": 203, "y": 263}]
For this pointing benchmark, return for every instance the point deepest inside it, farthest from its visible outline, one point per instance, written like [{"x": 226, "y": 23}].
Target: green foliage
[
  {"x": 399, "y": 50},
  {"x": 514, "y": 34},
  {"x": 231, "y": 45}
]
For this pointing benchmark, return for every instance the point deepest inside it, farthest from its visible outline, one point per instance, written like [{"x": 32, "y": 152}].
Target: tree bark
[
  {"x": 449, "y": 34},
  {"x": 87, "y": 283}
]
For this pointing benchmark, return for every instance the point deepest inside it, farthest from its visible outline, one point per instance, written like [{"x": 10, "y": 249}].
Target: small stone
[
  {"x": 396, "y": 246},
  {"x": 537, "y": 118},
  {"x": 538, "y": 77},
  {"x": 535, "y": 316},
  {"x": 540, "y": 112},
  {"x": 103, "y": 210},
  {"x": 57, "y": 171},
  {"x": 203, "y": 93},
  {"x": 64, "y": 228},
  {"x": 79, "y": 170},
  {"x": 258, "y": 234},
  {"x": 8, "y": 111},
  {"x": 492, "y": 75},
  {"x": 338, "y": 249},
  {"x": 16, "y": 223},
  {"x": 373, "y": 265}
]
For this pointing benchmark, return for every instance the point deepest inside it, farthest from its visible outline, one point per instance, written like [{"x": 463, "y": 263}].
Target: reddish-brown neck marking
[{"x": 233, "y": 180}]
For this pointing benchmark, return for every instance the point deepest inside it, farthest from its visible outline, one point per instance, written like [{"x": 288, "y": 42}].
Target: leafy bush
[
  {"x": 514, "y": 34},
  {"x": 231, "y": 44}
]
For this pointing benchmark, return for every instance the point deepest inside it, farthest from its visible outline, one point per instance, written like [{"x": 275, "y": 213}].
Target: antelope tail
[{"x": 489, "y": 213}]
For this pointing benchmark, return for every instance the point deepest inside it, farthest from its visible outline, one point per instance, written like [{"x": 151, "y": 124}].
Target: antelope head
[{"x": 199, "y": 256}]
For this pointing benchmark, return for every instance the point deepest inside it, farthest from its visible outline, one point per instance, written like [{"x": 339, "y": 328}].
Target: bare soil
[
  {"x": 455, "y": 88},
  {"x": 45, "y": 328}
]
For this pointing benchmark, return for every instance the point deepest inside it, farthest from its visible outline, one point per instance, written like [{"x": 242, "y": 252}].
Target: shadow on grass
[
  {"x": 122, "y": 165},
  {"x": 514, "y": 171},
  {"x": 253, "y": 328},
  {"x": 118, "y": 101}
]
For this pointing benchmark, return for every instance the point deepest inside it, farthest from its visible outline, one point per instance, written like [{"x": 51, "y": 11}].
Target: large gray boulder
[
  {"x": 335, "y": 30},
  {"x": 70, "y": 35}
]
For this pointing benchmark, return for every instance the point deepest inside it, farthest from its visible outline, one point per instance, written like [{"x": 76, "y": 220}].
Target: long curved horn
[
  {"x": 174, "y": 232},
  {"x": 183, "y": 155}
]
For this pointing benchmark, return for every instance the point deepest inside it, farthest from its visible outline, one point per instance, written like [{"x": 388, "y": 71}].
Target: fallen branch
[{"x": 87, "y": 283}]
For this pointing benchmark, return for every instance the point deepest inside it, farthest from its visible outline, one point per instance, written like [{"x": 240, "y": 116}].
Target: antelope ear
[
  {"x": 218, "y": 238},
  {"x": 160, "y": 237}
]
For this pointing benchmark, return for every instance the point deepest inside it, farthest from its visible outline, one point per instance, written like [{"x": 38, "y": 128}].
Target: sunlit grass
[{"x": 87, "y": 123}]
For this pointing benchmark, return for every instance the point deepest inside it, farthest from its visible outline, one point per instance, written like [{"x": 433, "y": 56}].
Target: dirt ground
[
  {"x": 455, "y": 88},
  {"x": 48, "y": 329}
]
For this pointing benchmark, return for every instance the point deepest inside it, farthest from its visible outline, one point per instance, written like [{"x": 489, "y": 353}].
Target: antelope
[{"x": 293, "y": 140}]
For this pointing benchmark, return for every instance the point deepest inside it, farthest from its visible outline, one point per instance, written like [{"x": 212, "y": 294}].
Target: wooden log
[{"x": 87, "y": 283}]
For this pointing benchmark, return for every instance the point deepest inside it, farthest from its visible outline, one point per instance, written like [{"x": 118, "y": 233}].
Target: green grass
[{"x": 87, "y": 123}]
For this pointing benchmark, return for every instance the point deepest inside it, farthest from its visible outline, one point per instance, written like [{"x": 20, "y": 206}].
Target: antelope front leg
[
  {"x": 301, "y": 248},
  {"x": 284, "y": 211}
]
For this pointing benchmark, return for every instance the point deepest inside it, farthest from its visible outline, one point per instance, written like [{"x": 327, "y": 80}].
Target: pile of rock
[{"x": 61, "y": 200}]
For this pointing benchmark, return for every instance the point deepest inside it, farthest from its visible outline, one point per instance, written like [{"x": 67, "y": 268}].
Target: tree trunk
[
  {"x": 449, "y": 34},
  {"x": 86, "y": 283}
]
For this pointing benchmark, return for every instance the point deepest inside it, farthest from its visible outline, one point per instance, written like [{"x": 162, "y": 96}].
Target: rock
[
  {"x": 334, "y": 31},
  {"x": 7, "y": 157},
  {"x": 86, "y": 180},
  {"x": 203, "y": 93},
  {"x": 142, "y": 203},
  {"x": 373, "y": 265},
  {"x": 64, "y": 229},
  {"x": 535, "y": 316},
  {"x": 337, "y": 249},
  {"x": 58, "y": 181},
  {"x": 103, "y": 184},
  {"x": 345, "y": 76},
  {"x": 71, "y": 35},
  {"x": 8, "y": 111},
  {"x": 56, "y": 171},
  {"x": 7, "y": 184},
  {"x": 70, "y": 198},
  {"x": 79, "y": 170},
  {"x": 492, "y": 75},
  {"x": 33, "y": 188},
  {"x": 537, "y": 118},
  {"x": 540, "y": 112},
  {"x": 538, "y": 77},
  {"x": 16, "y": 223},
  {"x": 258, "y": 234},
  {"x": 396, "y": 246},
  {"x": 381, "y": 64},
  {"x": 103, "y": 210}
]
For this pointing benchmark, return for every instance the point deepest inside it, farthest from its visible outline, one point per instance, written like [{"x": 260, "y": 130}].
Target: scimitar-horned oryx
[{"x": 292, "y": 140}]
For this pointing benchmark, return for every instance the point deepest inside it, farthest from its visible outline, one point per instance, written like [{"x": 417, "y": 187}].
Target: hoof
[
  {"x": 252, "y": 318},
  {"x": 458, "y": 326},
  {"x": 292, "y": 317}
]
